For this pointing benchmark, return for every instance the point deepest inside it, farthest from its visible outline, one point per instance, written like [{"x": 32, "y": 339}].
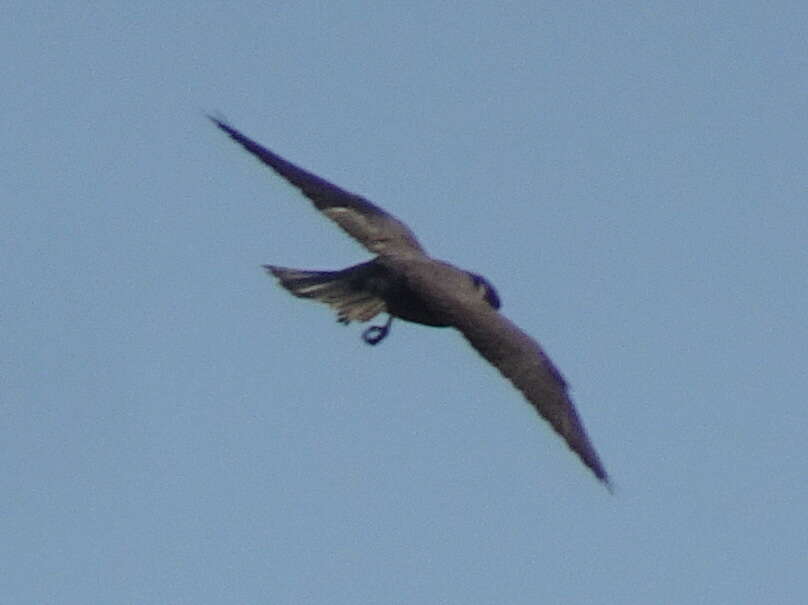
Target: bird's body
[
  {"x": 393, "y": 286},
  {"x": 405, "y": 282}
]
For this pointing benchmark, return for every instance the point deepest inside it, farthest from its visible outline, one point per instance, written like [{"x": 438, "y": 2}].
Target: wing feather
[
  {"x": 522, "y": 361},
  {"x": 377, "y": 230}
]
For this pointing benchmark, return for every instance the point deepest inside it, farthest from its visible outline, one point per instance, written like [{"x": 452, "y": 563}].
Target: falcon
[{"x": 404, "y": 282}]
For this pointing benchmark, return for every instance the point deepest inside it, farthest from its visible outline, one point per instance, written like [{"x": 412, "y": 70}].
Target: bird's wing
[
  {"x": 377, "y": 230},
  {"x": 522, "y": 361}
]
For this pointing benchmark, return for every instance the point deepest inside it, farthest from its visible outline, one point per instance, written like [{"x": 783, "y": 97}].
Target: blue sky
[{"x": 175, "y": 428}]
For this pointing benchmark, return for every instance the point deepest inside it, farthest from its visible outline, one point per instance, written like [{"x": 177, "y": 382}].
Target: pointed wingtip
[
  {"x": 271, "y": 270},
  {"x": 609, "y": 485},
  {"x": 587, "y": 454},
  {"x": 602, "y": 476},
  {"x": 217, "y": 118},
  {"x": 220, "y": 122}
]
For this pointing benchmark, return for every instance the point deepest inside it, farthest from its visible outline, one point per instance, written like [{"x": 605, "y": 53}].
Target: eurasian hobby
[{"x": 404, "y": 282}]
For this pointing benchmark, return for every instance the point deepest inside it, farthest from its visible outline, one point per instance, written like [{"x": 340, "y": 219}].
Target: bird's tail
[{"x": 347, "y": 291}]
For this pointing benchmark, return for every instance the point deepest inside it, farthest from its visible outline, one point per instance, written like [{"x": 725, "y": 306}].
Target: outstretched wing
[
  {"x": 377, "y": 230},
  {"x": 522, "y": 361}
]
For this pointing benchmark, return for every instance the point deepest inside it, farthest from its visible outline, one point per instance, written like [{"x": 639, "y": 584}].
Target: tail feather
[{"x": 342, "y": 290}]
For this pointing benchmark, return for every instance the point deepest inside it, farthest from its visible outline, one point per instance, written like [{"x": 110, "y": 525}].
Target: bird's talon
[{"x": 375, "y": 334}]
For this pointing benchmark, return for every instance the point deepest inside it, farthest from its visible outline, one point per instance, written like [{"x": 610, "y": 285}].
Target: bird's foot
[{"x": 375, "y": 334}]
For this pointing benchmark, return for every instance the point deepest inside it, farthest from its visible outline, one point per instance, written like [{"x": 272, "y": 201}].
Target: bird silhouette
[{"x": 404, "y": 282}]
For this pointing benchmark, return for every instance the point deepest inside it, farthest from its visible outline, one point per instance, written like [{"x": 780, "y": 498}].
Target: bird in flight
[{"x": 403, "y": 281}]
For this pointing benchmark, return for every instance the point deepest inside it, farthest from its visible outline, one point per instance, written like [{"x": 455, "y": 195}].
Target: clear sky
[{"x": 175, "y": 428}]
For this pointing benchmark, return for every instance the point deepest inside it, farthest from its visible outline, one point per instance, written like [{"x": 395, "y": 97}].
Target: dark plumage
[{"x": 404, "y": 282}]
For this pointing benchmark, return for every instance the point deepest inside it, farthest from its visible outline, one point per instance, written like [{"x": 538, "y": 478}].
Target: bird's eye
[
  {"x": 492, "y": 297},
  {"x": 487, "y": 290}
]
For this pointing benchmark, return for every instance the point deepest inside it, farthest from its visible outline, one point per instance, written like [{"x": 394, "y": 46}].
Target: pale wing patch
[
  {"x": 355, "y": 224},
  {"x": 380, "y": 233}
]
